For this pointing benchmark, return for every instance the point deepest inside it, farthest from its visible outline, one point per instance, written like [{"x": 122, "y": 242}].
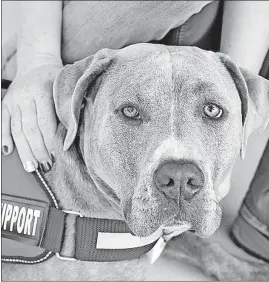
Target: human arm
[
  {"x": 28, "y": 114},
  {"x": 245, "y": 32}
]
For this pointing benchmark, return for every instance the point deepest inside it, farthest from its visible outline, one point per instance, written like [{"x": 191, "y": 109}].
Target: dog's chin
[
  {"x": 204, "y": 225},
  {"x": 146, "y": 217}
]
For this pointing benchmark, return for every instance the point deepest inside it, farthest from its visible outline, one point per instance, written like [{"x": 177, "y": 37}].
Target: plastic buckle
[{"x": 57, "y": 254}]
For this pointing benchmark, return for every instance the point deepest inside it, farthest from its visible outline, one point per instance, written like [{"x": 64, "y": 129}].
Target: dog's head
[{"x": 162, "y": 127}]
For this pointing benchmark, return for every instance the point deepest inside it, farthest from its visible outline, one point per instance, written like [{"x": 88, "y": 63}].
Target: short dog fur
[{"x": 105, "y": 162}]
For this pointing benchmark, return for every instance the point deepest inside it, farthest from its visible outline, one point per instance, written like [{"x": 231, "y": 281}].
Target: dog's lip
[{"x": 176, "y": 224}]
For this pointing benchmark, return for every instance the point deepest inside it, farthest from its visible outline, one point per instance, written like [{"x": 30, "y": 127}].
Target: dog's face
[{"x": 162, "y": 130}]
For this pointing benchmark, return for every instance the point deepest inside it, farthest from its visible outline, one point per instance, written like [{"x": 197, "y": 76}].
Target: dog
[{"x": 146, "y": 135}]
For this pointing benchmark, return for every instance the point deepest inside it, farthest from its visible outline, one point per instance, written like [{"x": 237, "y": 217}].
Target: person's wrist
[
  {"x": 243, "y": 59},
  {"x": 32, "y": 61}
]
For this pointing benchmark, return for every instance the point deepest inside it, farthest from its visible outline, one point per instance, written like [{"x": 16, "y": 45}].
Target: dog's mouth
[
  {"x": 145, "y": 216},
  {"x": 175, "y": 224}
]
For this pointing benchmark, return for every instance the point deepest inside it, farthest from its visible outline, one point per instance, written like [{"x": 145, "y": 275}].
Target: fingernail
[
  {"x": 29, "y": 166},
  {"x": 5, "y": 149},
  {"x": 52, "y": 155},
  {"x": 45, "y": 166}
]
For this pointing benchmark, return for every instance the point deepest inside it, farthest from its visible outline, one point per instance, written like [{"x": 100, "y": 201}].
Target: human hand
[{"x": 29, "y": 118}]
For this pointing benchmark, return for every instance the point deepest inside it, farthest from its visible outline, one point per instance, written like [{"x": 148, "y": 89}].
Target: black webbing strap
[
  {"x": 86, "y": 239},
  {"x": 54, "y": 231},
  {"x": 86, "y": 236}
]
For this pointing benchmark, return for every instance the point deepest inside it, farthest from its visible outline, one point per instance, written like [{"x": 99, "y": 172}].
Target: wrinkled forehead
[{"x": 166, "y": 70}]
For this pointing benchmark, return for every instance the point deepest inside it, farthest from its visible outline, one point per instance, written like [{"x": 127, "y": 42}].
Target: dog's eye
[
  {"x": 130, "y": 112},
  {"x": 213, "y": 111}
]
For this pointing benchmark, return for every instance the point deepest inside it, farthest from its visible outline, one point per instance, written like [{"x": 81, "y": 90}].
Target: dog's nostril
[
  {"x": 194, "y": 184},
  {"x": 171, "y": 183},
  {"x": 190, "y": 182}
]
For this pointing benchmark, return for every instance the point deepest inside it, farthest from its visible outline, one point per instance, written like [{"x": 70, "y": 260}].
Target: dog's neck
[
  {"x": 76, "y": 190},
  {"x": 74, "y": 186}
]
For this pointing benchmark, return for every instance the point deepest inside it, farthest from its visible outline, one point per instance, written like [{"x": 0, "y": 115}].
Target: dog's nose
[{"x": 177, "y": 178}]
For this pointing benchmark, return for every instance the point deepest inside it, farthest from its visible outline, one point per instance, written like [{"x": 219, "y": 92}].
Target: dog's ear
[
  {"x": 71, "y": 87},
  {"x": 254, "y": 94}
]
